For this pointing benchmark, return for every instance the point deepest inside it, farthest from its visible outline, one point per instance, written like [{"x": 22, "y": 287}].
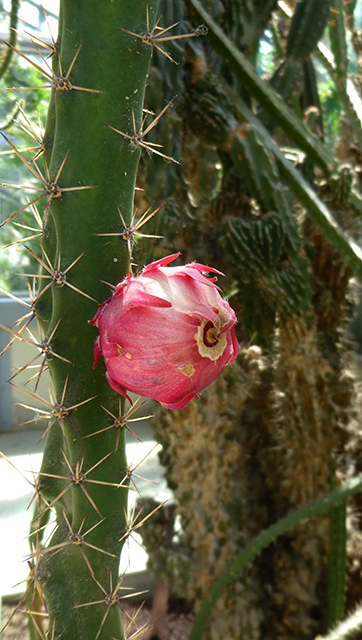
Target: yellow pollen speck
[
  {"x": 188, "y": 371},
  {"x": 119, "y": 349},
  {"x": 128, "y": 356}
]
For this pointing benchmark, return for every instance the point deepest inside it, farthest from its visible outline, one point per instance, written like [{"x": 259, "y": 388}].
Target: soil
[{"x": 177, "y": 624}]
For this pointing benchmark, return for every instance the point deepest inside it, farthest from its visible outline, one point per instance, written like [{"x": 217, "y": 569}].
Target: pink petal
[
  {"x": 143, "y": 299},
  {"x": 97, "y": 352},
  {"x": 150, "y": 334},
  {"x": 115, "y": 387},
  {"x": 181, "y": 404},
  {"x": 160, "y": 263},
  {"x": 204, "y": 269}
]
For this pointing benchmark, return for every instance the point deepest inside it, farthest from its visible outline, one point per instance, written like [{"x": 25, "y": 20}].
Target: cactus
[{"x": 86, "y": 175}]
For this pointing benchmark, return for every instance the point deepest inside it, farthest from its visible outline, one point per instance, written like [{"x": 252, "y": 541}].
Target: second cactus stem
[{"x": 99, "y": 79}]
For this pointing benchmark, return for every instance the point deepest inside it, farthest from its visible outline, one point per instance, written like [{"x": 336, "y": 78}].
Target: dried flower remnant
[{"x": 166, "y": 334}]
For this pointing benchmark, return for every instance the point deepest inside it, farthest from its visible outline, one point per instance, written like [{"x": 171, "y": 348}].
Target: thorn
[
  {"x": 111, "y": 598},
  {"x": 130, "y": 472},
  {"x": 120, "y": 421},
  {"x": 152, "y": 38},
  {"x": 78, "y": 538},
  {"x": 130, "y": 233},
  {"x": 78, "y": 478},
  {"x": 136, "y": 139},
  {"x": 51, "y": 188},
  {"x": 58, "y": 277},
  {"x": 44, "y": 347},
  {"x": 56, "y": 410},
  {"x": 133, "y": 525},
  {"x": 61, "y": 82}
]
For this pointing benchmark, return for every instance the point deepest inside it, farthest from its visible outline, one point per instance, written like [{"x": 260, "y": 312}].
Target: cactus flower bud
[{"x": 166, "y": 333}]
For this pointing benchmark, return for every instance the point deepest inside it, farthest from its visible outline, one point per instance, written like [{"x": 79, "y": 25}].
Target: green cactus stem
[
  {"x": 6, "y": 59},
  {"x": 98, "y": 84}
]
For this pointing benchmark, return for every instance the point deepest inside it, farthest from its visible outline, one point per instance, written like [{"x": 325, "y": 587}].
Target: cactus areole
[{"x": 166, "y": 334}]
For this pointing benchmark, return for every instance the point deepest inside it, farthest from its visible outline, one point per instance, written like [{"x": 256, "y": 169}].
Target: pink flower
[{"x": 166, "y": 333}]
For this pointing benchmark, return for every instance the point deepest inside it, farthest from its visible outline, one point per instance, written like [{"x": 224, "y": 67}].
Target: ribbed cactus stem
[{"x": 113, "y": 64}]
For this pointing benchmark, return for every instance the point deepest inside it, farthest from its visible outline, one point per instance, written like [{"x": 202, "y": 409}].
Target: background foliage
[{"x": 281, "y": 429}]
